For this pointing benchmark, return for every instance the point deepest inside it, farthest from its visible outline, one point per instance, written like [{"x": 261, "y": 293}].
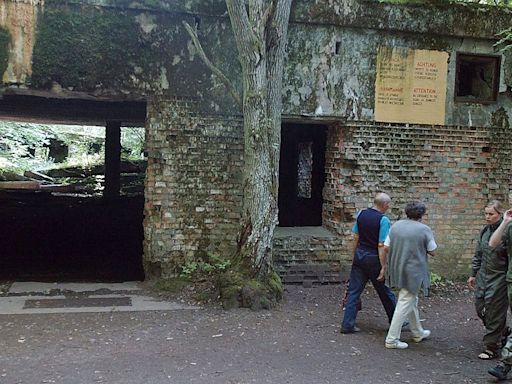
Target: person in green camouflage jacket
[
  {"x": 502, "y": 236},
  {"x": 488, "y": 279}
]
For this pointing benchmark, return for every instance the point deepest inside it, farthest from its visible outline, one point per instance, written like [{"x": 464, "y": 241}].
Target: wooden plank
[{"x": 20, "y": 185}]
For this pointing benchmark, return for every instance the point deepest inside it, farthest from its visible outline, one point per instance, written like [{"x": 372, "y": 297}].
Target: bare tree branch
[{"x": 231, "y": 88}]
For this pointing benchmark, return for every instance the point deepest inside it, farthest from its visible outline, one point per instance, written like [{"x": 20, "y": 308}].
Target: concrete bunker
[{"x": 62, "y": 232}]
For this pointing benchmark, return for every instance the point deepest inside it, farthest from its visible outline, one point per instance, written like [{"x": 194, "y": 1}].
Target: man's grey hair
[{"x": 381, "y": 199}]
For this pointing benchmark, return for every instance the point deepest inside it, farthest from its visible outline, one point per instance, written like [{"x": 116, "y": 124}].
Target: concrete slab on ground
[
  {"x": 44, "y": 298},
  {"x": 19, "y": 305},
  {"x": 26, "y": 287}
]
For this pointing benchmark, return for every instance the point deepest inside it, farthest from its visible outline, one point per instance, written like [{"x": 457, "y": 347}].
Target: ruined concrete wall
[
  {"x": 331, "y": 71},
  {"x": 18, "y": 21},
  {"x": 131, "y": 53},
  {"x": 455, "y": 170},
  {"x": 192, "y": 186},
  {"x": 429, "y": 17}
]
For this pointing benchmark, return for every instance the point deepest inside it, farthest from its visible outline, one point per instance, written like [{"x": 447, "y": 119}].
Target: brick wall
[
  {"x": 192, "y": 187},
  {"x": 455, "y": 170},
  {"x": 193, "y": 184}
]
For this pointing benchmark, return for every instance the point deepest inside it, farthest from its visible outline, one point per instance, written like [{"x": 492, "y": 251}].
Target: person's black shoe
[
  {"x": 500, "y": 371},
  {"x": 346, "y": 331}
]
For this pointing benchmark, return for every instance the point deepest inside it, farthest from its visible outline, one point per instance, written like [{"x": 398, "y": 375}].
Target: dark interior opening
[
  {"x": 55, "y": 236},
  {"x": 477, "y": 78},
  {"x": 58, "y": 238},
  {"x": 301, "y": 174}
]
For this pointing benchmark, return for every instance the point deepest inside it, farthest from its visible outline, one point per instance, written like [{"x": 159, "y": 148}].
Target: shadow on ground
[{"x": 61, "y": 238}]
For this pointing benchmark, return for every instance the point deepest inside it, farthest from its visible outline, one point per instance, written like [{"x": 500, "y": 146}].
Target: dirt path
[{"x": 296, "y": 343}]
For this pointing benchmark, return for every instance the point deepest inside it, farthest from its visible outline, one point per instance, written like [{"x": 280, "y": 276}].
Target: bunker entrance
[
  {"x": 301, "y": 174},
  {"x": 71, "y": 190}
]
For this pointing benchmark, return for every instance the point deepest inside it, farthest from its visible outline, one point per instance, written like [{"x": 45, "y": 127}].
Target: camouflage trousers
[{"x": 493, "y": 314}]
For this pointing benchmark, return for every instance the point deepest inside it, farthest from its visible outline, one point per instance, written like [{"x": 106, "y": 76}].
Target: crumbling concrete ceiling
[{"x": 434, "y": 17}]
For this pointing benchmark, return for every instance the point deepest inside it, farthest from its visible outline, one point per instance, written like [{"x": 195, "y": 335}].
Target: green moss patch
[
  {"x": 239, "y": 290},
  {"x": 87, "y": 49}
]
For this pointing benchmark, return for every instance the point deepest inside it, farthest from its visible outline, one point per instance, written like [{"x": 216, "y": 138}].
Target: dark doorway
[
  {"x": 301, "y": 174},
  {"x": 61, "y": 238},
  {"x": 57, "y": 224}
]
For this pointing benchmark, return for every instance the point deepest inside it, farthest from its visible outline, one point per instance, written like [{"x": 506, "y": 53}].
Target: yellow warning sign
[{"x": 410, "y": 86}]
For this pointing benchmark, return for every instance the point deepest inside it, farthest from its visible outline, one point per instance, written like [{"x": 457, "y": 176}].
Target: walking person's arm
[
  {"x": 497, "y": 236},
  {"x": 384, "y": 229},
  {"x": 431, "y": 243},
  {"x": 475, "y": 265},
  {"x": 355, "y": 235},
  {"x": 383, "y": 256},
  {"x": 355, "y": 239}
]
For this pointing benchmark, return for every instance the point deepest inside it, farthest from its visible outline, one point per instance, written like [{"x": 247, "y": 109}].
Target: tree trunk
[{"x": 261, "y": 36}]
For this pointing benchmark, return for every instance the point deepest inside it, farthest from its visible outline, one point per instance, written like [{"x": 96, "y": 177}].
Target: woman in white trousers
[{"x": 408, "y": 245}]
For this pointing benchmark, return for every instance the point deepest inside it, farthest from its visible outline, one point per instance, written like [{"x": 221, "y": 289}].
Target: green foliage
[
  {"x": 435, "y": 279},
  {"x": 17, "y": 145},
  {"x": 233, "y": 283},
  {"x": 498, "y": 3},
  {"x": 202, "y": 269},
  {"x": 23, "y": 146},
  {"x": 132, "y": 141}
]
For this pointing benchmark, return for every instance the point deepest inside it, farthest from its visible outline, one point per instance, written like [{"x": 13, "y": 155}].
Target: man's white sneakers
[{"x": 422, "y": 336}]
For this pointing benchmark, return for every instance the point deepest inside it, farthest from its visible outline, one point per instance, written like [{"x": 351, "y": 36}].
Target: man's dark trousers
[{"x": 366, "y": 266}]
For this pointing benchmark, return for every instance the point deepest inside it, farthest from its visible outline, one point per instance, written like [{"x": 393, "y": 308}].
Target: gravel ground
[{"x": 299, "y": 342}]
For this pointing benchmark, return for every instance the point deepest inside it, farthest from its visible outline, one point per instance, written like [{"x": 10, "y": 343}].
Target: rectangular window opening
[{"x": 477, "y": 78}]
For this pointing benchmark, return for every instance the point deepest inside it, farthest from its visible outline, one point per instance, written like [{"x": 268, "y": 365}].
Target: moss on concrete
[
  {"x": 5, "y": 39},
  {"x": 441, "y": 3},
  {"x": 88, "y": 49},
  {"x": 500, "y": 119},
  {"x": 214, "y": 7},
  {"x": 173, "y": 285},
  {"x": 238, "y": 289}
]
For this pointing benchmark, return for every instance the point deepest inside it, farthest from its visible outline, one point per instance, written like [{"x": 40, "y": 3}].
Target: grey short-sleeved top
[{"x": 408, "y": 242}]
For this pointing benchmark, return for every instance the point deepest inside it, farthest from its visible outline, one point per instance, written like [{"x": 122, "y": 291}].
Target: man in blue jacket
[{"x": 369, "y": 261}]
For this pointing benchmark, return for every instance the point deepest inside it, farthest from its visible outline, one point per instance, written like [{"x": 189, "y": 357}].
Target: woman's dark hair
[{"x": 415, "y": 210}]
